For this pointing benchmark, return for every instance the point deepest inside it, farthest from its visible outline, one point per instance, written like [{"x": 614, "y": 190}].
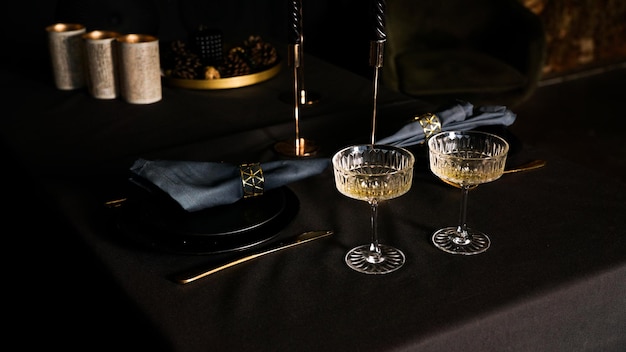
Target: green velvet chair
[{"x": 481, "y": 51}]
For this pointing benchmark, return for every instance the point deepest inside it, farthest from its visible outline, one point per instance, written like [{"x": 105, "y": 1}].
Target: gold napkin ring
[
  {"x": 430, "y": 123},
  {"x": 252, "y": 179}
]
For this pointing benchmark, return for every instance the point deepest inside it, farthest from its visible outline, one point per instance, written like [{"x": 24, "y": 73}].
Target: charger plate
[{"x": 157, "y": 222}]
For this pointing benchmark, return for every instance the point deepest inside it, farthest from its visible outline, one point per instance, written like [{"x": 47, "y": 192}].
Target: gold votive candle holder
[
  {"x": 66, "y": 53},
  {"x": 139, "y": 68}
]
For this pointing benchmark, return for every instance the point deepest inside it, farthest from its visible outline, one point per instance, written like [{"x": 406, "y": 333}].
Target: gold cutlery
[
  {"x": 532, "y": 165},
  {"x": 287, "y": 243},
  {"x": 115, "y": 203}
]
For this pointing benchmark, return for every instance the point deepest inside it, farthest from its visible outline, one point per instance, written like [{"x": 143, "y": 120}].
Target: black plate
[{"x": 158, "y": 222}]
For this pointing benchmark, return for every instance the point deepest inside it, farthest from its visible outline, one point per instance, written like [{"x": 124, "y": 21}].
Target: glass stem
[
  {"x": 374, "y": 246},
  {"x": 462, "y": 229}
]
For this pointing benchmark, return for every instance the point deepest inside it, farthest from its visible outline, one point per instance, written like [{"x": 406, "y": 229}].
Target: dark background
[
  {"x": 338, "y": 31},
  {"x": 578, "y": 118}
]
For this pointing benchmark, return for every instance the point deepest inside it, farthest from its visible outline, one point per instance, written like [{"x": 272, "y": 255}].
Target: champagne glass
[
  {"x": 373, "y": 173},
  {"x": 467, "y": 159}
]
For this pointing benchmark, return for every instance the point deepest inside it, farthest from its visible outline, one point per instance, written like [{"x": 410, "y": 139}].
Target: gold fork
[{"x": 532, "y": 165}]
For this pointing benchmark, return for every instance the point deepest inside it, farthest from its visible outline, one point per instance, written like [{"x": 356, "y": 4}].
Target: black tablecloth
[{"x": 553, "y": 280}]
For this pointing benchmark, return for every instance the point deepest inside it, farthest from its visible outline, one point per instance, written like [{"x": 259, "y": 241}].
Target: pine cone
[
  {"x": 236, "y": 63},
  {"x": 262, "y": 54},
  {"x": 185, "y": 63}
]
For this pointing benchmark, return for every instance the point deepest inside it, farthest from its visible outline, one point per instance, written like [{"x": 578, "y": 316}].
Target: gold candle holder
[
  {"x": 101, "y": 62},
  {"x": 66, "y": 54},
  {"x": 298, "y": 147},
  {"x": 140, "y": 70}
]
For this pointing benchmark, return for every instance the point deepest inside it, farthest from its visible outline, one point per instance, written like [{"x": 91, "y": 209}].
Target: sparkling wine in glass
[
  {"x": 373, "y": 173},
  {"x": 467, "y": 159}
]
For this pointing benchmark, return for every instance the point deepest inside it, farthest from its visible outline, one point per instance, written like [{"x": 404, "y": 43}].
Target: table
[{"x": 553, "y": 280}]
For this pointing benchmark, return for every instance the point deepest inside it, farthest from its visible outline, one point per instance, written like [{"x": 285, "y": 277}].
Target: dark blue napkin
[
  {"x": 461, "y": 116},
  {"x": 197, "y": 185}
]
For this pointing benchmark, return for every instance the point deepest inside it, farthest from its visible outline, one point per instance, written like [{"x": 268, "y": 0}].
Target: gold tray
[{"x": 225, "y": 83}]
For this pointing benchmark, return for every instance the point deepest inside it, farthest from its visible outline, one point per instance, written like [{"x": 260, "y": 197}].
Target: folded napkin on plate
[
  {"x": 197, "y": 185},
  {"x": 459, "y": 117}
]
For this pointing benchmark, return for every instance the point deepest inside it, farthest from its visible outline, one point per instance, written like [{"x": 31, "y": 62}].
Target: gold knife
[{"x": 288, "y": 243}]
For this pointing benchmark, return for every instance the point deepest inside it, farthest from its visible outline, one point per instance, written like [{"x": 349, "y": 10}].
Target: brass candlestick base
[{"x": 301, "y": 149}]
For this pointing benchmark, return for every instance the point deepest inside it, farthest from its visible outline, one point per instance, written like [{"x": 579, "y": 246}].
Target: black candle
[
  {"x": 295, "y": 25},
  {"x": 379, "y": 20}
]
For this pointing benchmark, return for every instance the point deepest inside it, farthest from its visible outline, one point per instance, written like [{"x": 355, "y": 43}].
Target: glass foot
[
  {"x": 363, "y": 260},
  {"x": 448, "y": 240}
]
